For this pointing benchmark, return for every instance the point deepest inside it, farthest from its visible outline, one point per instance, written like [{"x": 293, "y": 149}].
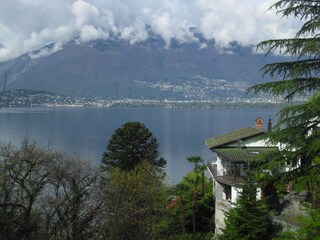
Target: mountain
[{"x": 115, "y": 69}]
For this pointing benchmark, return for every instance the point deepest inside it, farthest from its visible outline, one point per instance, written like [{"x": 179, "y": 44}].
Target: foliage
[
  {"x": 134, "y": 192},
  {"x": 250, "y": 219},
  {"x": 46, "y": 195},
  {"x": 309, "y": 228},
  {"x": 72, "y": 203},
  {"x": 191, "y": 209},
  {"x": 131, "y": 144},
  {"x": 297, "y": 129},
  {"x": 23, "y": 178},
  {"x": 135, "y": 202}
]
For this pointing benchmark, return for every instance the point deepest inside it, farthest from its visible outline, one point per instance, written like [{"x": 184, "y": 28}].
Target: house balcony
[{"x": 227, "y": 178}]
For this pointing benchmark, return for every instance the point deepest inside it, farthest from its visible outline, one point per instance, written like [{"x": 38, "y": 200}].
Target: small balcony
[{"x": 228, "y": 178}]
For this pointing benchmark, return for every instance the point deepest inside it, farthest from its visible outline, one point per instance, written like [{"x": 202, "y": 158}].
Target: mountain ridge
[{"x": 112, "y": 69}]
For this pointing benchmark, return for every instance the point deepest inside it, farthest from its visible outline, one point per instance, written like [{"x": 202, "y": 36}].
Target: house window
[
  {"x": 227, "y": 192},
  {"x": 228, "y": 168}
]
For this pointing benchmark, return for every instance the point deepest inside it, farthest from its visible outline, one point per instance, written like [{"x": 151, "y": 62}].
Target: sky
[{"x": 27, "y": 25}]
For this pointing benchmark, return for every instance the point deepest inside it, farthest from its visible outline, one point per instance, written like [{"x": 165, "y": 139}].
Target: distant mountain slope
[{"x": 115, "y": 69}]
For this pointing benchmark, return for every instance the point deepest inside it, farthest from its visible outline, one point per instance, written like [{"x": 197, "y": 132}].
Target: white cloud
[
  {"x": 203, "y": 46},
  {"x": 46, "y": 51},
  {"x": 133, "y": 34},
  {"x": 27, "y": 25},
  {"x": 89, "y": 33},
  {"x": 85, "y": 13},
  {"x": 162, "y": 25}
]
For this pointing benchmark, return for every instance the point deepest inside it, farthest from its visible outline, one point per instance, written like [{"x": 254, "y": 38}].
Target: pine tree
[
  {"x": 249, "y": 220},
  {"x": 297, "y": 129},
  {"x": 130, "y": 145}
]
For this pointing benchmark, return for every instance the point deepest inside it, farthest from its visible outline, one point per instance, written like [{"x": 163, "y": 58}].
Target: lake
[{"x": 84, "y": 132}]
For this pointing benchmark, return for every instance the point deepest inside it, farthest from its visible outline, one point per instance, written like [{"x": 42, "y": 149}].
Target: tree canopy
[
  {"x": 131, "y": 144},
  {"x": 47, "y": 195},
  {"x": 297, "y": 129},
  {"x": 136, "y": 202},
  {"x": 191, "y": 206}
]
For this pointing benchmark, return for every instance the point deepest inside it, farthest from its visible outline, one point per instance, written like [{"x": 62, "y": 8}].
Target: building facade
[{"x": 234, "y": 153}]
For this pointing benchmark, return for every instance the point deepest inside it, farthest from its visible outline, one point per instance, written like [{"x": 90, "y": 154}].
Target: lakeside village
[
  {"x": 32, "y": 98},
  {"x": 234, "y": 151}
]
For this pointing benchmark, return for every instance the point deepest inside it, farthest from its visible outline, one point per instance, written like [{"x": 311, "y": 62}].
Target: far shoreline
[{"x": 149, "y": 104}]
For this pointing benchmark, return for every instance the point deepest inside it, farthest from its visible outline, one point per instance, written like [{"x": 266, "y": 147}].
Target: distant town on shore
[{"x": 33, "y": 98}]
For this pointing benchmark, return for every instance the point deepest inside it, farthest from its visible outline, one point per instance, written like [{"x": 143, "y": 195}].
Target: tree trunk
[{"x": 193, "y": 211}]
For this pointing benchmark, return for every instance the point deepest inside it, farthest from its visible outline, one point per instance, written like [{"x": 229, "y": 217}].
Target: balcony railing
[{"x": 227, "y": 178}]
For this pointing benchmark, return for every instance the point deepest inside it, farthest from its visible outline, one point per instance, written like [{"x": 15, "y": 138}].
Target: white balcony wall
[
  {"x": 234, "y": 194},
  {"x": 220, "y": 168}
]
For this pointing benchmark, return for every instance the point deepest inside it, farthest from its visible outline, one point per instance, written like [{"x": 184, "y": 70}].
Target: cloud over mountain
[{"x": 27, "y": 25}]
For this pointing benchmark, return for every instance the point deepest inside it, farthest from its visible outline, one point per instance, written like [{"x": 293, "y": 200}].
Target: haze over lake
[{"x": 84, "y": 132}]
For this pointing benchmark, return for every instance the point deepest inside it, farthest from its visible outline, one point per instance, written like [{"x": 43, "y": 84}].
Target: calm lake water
[{"x": 85, "y": 132}]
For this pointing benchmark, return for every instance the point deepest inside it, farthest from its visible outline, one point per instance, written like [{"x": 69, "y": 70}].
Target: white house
[{"x": 234, "y": 150}]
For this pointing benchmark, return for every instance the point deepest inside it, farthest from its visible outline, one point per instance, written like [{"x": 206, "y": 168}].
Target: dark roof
[
  {"x": 243, "y": 154},
  {"x": 233, "y": 136}
]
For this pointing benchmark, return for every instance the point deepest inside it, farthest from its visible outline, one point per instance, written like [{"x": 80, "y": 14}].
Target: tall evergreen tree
[
  {"x": 297, "y": 128},
  {"x": 250, "y": 219},
  {"x": 131, "y": 144}
]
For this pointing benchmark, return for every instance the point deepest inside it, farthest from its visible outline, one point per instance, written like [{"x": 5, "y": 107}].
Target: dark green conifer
[
  {"x": 130, "y": 145},
  {"x": 298, "y": 127},
  {"x": 250, "y": 219}
]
